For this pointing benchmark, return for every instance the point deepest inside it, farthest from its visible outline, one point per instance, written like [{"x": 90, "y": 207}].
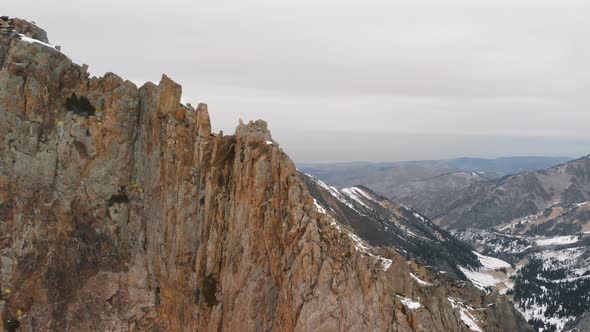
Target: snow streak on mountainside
[
  {"x": 383, "y": 223},
  {"x": 559, "y": 218}
]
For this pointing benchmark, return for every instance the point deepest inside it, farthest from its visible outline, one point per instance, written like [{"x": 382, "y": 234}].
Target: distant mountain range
[
  {"x": 539, "y": 222},
  {"x": 485, "y": 204},
  {"x": 392, "y": 179}
]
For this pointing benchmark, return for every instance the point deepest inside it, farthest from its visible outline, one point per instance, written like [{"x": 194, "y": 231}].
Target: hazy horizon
[
  {"x": 359, "y": 148},
  {"x": 377, "y": 162},
  {"x": 354, "y": 80}
]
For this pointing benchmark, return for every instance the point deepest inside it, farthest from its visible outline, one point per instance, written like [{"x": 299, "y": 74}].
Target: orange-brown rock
[{"x": 130, "y": 215}]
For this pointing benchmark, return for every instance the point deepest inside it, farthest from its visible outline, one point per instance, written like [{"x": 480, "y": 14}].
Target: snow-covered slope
[
  {"x": 493, "y": 274},
  {"x": 550, "y": 282},
  {"x": 558, "y": 219}
]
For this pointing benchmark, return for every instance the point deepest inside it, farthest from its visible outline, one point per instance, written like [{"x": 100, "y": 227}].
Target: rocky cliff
[{"x": 120, "y": 210}]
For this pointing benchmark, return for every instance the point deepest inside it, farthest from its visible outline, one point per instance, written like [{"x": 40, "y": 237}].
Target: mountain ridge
[
  {"x": 479, "y": 204},
  {"x": 383, "y": 223},
  {"x": 393, "y": 179},
  {"x": 125, "y": 212}
]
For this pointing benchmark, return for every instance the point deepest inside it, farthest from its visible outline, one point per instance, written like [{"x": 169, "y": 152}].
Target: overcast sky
[{"x": 342, "y": 80}]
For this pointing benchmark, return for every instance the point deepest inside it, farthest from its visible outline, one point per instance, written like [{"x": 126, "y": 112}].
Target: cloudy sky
[{"x": 343, "y": 80}]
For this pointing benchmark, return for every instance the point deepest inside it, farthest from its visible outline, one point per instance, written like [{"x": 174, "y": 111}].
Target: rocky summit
[{"x": 120, "y": 210}]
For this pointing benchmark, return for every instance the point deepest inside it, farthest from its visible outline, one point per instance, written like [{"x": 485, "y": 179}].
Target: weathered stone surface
[
  {"x": 137, "y": 217},
  {"x": 30, "y": 29}
]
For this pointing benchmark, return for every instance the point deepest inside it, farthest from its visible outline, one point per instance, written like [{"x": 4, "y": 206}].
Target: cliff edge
[{"x": 120, "y": 210}]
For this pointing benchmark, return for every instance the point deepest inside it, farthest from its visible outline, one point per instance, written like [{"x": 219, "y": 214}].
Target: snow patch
[
  {"x": 466, "y": 316},
  {"x": 335, "y": 224},
  {"x": 491, "y": 262},
  {"x": 385, "y": 263},
  {"x": 409, "y": 303},
  {"x": 319, "y": 207},
  {"x": 334, "y": 192},
  {"x": 422, "y": 219},
  {"x": 420, "y": 281},
  {"x": 353, "y": 193},
  {"x": 479, "y": 279},
  {"x": 567, "y": 239},
  {"x": 363, "y": 193},
  {"x": 362, "y": 247},
  {"x": 32, "y": 40},
  {"x": 482, "y": 277}
]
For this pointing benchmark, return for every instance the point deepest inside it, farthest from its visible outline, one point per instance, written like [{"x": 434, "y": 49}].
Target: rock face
[
  {"x": 121, "y": 211},
  {"x": 30, "y": 30}
]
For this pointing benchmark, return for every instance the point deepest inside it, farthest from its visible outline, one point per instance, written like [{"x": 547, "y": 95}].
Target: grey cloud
[{"x": 492, "y": 71}]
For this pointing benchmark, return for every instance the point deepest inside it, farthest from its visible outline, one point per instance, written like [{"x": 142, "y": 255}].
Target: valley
[{"x": 529, "y": 231}]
